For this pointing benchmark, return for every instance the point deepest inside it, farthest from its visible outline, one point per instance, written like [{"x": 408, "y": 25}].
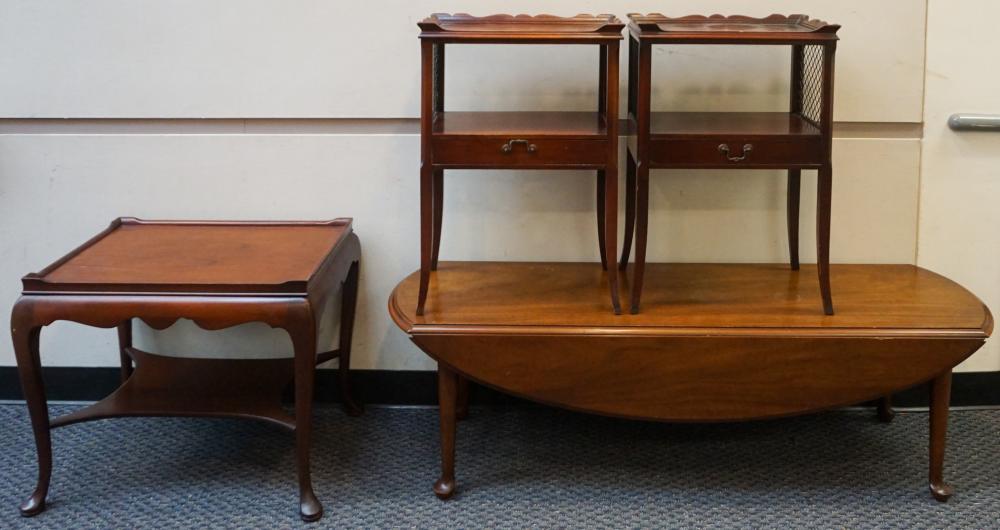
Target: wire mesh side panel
[
  {"x": 437, "y": 75},
  {"x": 811, "y": 83}
]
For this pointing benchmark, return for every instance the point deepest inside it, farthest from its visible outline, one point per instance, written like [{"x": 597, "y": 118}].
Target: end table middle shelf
[{"x": 518, "y": 140}]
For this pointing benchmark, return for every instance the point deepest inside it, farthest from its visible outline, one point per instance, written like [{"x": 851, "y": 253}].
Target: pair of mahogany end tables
[
  {"x": 720, "y": 342},
  {"x": 800, "y": 138}
]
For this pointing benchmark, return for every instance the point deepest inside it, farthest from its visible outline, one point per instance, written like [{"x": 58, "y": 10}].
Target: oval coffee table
[{"x": 716, "y": 342}]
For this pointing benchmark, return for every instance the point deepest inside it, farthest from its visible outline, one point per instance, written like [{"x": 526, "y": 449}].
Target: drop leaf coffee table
[
  {"x": 718, "y": 342},
  {"x": 218, "y": 274}
]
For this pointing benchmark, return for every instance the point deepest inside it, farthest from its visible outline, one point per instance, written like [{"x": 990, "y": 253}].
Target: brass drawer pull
[
  {"x": 509, "y": 146},
  {"x": 724, "y": 148}
]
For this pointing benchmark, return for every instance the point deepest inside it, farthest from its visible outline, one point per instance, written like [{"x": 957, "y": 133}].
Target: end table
[
  {"x": 801, "y": 138},
  {"x": 518, "y": 140}
]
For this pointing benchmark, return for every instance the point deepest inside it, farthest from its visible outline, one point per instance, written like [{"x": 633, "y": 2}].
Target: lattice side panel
[
  {"x": 811, "y": 83},
  {"x": 437, "y": 73}
]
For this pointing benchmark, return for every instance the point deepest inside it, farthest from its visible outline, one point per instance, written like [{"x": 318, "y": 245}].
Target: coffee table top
[{"x": 134, "y": 256}]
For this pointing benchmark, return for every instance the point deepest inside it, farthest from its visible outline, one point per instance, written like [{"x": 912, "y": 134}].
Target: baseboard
[{"x": 393, "y": 387}]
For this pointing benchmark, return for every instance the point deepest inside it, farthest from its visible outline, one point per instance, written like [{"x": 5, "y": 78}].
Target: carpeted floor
[{"x": 516, "y": 468}]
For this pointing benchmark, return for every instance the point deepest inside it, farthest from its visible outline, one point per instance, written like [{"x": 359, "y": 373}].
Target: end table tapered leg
[
  {"x": 26, "y": 339},
  {"x": 426, "y": 233},
  {"x": 940, "y": 400},
  {"x": 347, "y": 310},
  {"x": 885, "y": 412},
  {"x": 124, "y": 343},
  {"x": 823, "y": 205},
  {"x": 304, "y": 342},
  {"x": 792, "y": 210},
  {"x": 641, "y": 232},
  {"x": 629, "y": 209},
  {"x": 601, "y": 240},
  {"x": 438, "y": 215},
  {"x": 444, "y": 488},
  {"x": 611, "y": 234}
]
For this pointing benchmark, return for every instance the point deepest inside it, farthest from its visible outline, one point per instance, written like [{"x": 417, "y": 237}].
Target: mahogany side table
[
  {"x": 801, "y": 138},
  {"x": 218, "y": 274},
  {"x": 518, "y": 140}
]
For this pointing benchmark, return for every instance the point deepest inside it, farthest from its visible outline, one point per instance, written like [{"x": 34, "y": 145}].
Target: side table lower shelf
[
  {"x": 722, "y": 342},
  {"x": 195, "y": 387}
]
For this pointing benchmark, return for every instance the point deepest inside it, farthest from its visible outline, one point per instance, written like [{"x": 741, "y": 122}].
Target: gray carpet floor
[{"x": 516, "y": 468}]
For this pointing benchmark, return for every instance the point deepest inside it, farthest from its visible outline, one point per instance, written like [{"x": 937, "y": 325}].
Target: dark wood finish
[
  {"x": 139, "y": 256},
  {"x": 520, "y": 29},
  {"x": 940, "y": 397},
  {"x": 885, "y": 412},
  {"x": 124, "y": 344},
  {"x": 733, "y": 29},
  {"x": 518, "y": 140},
  {"x": 534, "y": 153},
  {"x": 217, "y": 274},
  {"x": 462, "y": 399},
  {"x": 798, "y": 139},
  {"x": 718, "y": 342},
  {"x": 444, "y": 487}
]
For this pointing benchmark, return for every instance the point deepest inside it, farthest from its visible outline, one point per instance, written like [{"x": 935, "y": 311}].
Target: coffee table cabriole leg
[
  {"x": 940, "y": 400},
  {"x": 444, "y": 488},
  {"x": 884, "y": 407}
]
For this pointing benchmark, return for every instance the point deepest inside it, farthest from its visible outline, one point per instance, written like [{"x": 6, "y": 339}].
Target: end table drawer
[
  {"x": 519, "y": 152},
  {"x": 736, "y": 152}
]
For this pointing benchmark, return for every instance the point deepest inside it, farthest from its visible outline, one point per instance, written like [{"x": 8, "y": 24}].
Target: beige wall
[{"x": 244, "y": 62}]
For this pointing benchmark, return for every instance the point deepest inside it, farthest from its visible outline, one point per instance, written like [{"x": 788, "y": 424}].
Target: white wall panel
[
  {"x": 322, "y": 58},
  {"x": 58, "y": 190},
  {"x": 960, "y": 185}
]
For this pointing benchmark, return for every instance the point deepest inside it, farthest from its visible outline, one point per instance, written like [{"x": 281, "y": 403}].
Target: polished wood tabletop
[
  {"x": 892, "y": 299},
  {"x": 137, "y": 256},
  {"x": 513, "y": 29},
  {"x": 733, "y": 29}
]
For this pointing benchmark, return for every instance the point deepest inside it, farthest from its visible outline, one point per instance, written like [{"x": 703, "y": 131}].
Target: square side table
[{"x": 217, "y": 274}]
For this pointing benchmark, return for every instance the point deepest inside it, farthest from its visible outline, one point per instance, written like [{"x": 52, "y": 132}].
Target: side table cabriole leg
[
  {"x": 347, "y": 311},
  {"x": 303, "y": 334},
  {"x": 124, "y": 343},
  {"x": 25, "y": 334},
  {"x": 940, "y": 400},
  {"x": 444, "y": 488}
]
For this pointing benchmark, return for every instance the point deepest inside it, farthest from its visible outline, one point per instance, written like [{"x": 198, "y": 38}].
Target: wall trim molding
[
  {"x": 394, "y": 387},
  {"x": 335, "y": 126}
]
